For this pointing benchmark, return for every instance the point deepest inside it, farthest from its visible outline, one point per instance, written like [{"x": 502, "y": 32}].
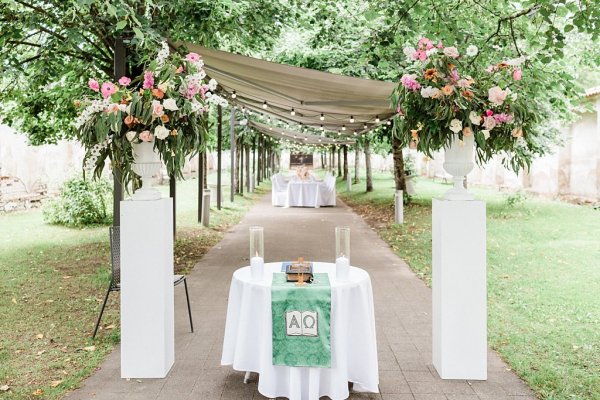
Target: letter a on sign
[
  {"x": 292, "y": 323},
  {"x": 305, "y": 323}
]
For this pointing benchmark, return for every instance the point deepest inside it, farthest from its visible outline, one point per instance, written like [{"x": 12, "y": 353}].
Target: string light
[
  {"x": 376, "y": 117},
  {"x": 293, "y": 112},
  {"x": 351, "y": 119},
  {"x": 233, "y": 95},
  {"x": 322, "y": 128},
  {"x": 355, "y": 133},
  {"x": 365, "y": 126},
  {"x": 322, "y": 117},
  {"x": 389, "y": 122},
  {"x": 265, "y": 106},
  {"x": 343, "y": 127}
]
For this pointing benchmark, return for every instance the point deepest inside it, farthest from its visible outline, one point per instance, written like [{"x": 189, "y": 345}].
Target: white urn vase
[
  {"x": 458, "y": 162},
  {"x": 146, "y": 164}
]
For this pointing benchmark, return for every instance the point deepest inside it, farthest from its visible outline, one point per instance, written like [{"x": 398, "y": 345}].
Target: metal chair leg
[
  {"x": 187, "y": 297},
  {"x": 101, "y": 312}
]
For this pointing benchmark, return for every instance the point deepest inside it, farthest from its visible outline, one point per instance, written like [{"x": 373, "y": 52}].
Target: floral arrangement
[
  {"x": 440, "y": 100},
  {"x": 166, "y": 105}
]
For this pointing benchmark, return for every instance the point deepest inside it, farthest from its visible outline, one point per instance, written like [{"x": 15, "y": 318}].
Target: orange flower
[
  {"x": 467, "y": 131},
  {"x": 129, "y": 121},
  {"x": 431, "y": 74},
  {"x": 164, "y": 118},
  {"x": 517, "y": 132},
  {"x": 451, "y": 66},
  {"x": 141, "y": 92},
  {"x": 159, "y": 94},
  {"x": 174, "y": 132},
  {"x": 467, "y": 94},
  {"x": 415, "y": 134},
  {"x": 447, "y": 90},
  {"x": 77, "y": 103},
  {"x": 502, "y": 65}
]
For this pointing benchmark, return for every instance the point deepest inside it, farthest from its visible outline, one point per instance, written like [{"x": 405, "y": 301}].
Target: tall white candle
[
  {"x": 256, "y": 268},
  {"x": 342, "y": 268}
]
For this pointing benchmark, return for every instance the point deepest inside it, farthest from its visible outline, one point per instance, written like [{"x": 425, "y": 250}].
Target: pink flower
[
  {"x": 440, "y": 45},
  {"x": 503, "y": 118},
  {"x": 451, "y": 52},
  {"x": 425, "y": 43},
  {"x": 124, "y": 81},
  {"x": 490, "y": 69},
  {"x": 94, "y": 85},
  {"x": 517, "y": 74},
  {"x": 410, "y": 82},
  {"x": 179, "y": 69},
  {"x": 192, "y": 57},
  {"x": 146, "y": 136},
  {"x": 148, "y": 80},
  {"x": 108, "y": 88},
  {"x": 496, "y": 95},
  {"x": 157, "y": 109},
  {"x": 489, "y": 113},
  {"x": 454, "y": 75}
]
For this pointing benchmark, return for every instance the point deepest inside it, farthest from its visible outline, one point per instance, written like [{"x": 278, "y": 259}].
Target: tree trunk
[
  {"x": 399, "y": 176},
  {"x": 339, "y": 161},
  {"x": 356, "y": 163},
  {"x": 368, "y": 166},
  {"x": 205, "y": 168},
  {"x": 258, "y": 162},
  {"x": 345, "y": 162}
]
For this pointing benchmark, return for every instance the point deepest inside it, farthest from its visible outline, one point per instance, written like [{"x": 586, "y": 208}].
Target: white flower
[
  {"x": 212, "y": 85},
  {"x": 160, "y": 132},
  {"x": 513, "y": 96},
  {"x": 451, "y": 52},
  {"x": 163, "y": 53},
  {"x": 496, "y": 95},
  {"x": 486, "y": 134},
  {"x": 164, "y": 86},
  {"x": 472, "y": 50},
  {"x": 521, "y": 142},
  {"x": 431, "y": 51},
  {"x": 475, "y": 118},
  {"x": 455, "y": 125},
  {"x": 516, "y": 61},
  {"x": 409, "y": 52},
  {"x": 130, "y": 135},
  {"x": 170, "y": 104},
  {"x": 489, "y": 123},
  {"x": 430, "y": 92}
]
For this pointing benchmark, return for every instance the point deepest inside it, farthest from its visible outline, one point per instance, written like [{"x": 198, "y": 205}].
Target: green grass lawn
[
  {"x": 543, "y": 279},
  {"x": 52, "y": 282}
]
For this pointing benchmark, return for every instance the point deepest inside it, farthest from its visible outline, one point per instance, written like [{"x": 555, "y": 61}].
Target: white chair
[
  {"x": 327, "y": 192},
  {"x": 278, "y": 191}
]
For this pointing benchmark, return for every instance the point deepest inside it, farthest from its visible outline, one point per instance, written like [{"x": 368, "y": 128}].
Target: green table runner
[{"x": 301, "y": 315}]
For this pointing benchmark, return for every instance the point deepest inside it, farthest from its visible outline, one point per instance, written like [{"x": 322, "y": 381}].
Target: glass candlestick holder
[
  {"x": 342, "y": 253},
  {"x": 257, "y": 252}
]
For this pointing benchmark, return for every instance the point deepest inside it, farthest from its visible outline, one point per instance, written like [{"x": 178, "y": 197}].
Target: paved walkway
[{"x": 402, "y": 308}]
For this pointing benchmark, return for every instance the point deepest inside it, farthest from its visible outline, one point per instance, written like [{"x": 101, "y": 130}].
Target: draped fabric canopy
[
  {"x": 304, "y": 96},
  {"x": 297, "y": 137}
]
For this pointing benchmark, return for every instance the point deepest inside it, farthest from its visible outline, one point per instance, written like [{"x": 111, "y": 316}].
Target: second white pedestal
[
  {"x": 459, "y": 289},
  {"x": 147, "y": 305}
]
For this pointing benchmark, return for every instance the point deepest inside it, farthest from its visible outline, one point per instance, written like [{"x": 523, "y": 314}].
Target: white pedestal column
[
  {"x": 459, "y": 289},
  {"x": 147, "y": 324}
]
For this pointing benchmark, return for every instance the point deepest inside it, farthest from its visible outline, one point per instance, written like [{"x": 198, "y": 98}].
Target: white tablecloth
[
  {"x": 303, "y": 194},
  {"x": 248, "y": 344}
]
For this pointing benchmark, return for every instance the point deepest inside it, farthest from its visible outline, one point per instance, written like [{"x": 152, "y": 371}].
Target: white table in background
[
  {"x": 248, "y": 337},
  {"x": 303, "y": 194}
]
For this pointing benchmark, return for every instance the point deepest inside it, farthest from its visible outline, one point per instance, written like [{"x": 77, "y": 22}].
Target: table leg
[{"x": 247, "y": 377}]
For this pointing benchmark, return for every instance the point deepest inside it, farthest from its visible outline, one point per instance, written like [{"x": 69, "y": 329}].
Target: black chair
[{"x": 115, "y": 280}]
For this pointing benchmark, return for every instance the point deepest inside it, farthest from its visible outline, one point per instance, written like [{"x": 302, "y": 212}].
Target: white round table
[
  {"x": 303, "y": 194},
  {"x": 248, "y": 337}
]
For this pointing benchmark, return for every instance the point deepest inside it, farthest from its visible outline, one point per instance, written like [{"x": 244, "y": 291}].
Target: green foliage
[
  {"x": 82, "y": 202},
  {"x": 517, "y": 199},
  {"x": 50, "y": 48}
]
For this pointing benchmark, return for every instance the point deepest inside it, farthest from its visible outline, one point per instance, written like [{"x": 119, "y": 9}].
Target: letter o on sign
[{"x": 309, "y": 319}]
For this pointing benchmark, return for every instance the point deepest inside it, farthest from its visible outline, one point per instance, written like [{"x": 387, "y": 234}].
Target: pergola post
[
  {"x": 248, "y": 176},
  {"x": 345, "y": 162},
  {"x": 253, "y": 162},
  {"x": 232, "y": 141},
  {"x": 200, "y": 183},
  {"x": 356, "y": 163},
  {"x": 219, "y": 149},
  {"x": 241, "y": 167},
  {"x": 119, "y": 70},
  {"x": 173, "y": 194}
]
